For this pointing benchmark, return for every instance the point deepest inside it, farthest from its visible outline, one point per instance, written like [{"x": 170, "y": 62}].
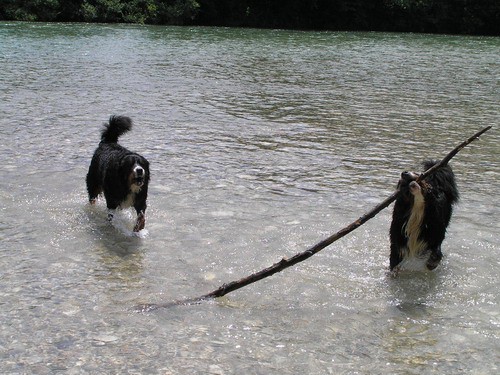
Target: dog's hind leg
[
  {"x": 93, "y": 196},
  {"x": 93, "y": 188}
]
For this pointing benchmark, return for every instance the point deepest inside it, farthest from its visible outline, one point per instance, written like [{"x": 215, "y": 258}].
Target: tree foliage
[
  {"x": 129, "y": 11},
  {"x": 435, "y": 16}
]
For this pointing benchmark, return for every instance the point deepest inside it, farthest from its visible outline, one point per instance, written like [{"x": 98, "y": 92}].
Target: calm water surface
[{"x": 262, "y": 143}]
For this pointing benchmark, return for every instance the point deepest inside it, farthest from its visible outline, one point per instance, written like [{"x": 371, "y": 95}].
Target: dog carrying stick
[{"x": 288, "y": 262}]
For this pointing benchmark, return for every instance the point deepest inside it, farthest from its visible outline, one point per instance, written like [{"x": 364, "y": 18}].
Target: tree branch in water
[{"x": 288, "y": 262}]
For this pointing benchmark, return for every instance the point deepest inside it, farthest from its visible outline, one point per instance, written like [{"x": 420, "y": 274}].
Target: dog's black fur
[
  {"x": 421, "y": 215},
  {"x": 122, "y": 175}
]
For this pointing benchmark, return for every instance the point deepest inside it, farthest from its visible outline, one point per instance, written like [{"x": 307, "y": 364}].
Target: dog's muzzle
[
  {"x": 138, "y": 176},
  {"x": 409, "y": 176}
]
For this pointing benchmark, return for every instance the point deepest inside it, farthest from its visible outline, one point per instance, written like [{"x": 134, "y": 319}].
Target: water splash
[{"x": 124, "y": 221}]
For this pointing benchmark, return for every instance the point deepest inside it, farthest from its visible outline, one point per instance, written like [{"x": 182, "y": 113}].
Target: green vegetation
[
  {"x": 129, "y": 11},
  {"x": 433, "y": 16}
]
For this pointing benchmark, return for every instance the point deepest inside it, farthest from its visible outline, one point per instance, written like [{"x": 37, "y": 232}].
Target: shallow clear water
[{"x": 261, "y": 144}]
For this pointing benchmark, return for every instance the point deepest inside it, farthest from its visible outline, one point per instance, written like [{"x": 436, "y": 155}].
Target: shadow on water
[
  {"x": 412, "y": 292},
  {"x": 118, "y": 248}
]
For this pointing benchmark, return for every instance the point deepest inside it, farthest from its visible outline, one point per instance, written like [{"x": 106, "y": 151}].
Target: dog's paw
[
  {"x": 140, "y": 223},
  {"x": 433, "y": 261}
]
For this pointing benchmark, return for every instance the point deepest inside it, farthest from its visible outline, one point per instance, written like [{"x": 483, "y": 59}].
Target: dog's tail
[{"x": 117, "y": 126}]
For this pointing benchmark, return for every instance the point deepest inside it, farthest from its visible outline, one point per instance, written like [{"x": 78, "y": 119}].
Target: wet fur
[
  {"x": 420, "y": 218},
  {"x": 122, "y": 175}
]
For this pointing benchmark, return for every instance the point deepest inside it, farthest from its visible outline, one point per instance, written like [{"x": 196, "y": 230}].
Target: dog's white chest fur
[
  {"x": 412, "y": 228},
  {"x": 129, "y": 201},
  {"x": 415, "y": 255}
]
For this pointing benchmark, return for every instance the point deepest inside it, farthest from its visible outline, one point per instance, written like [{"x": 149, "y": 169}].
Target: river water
[{"x": 261, "y": 143}]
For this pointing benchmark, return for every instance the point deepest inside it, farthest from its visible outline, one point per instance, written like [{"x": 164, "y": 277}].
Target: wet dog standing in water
[
  {"x": 122, "y": 175},
  {"x": 421, "y": 215}
]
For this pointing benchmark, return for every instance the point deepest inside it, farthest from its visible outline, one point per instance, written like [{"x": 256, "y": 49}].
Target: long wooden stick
[{"x": 288, "y": 262}]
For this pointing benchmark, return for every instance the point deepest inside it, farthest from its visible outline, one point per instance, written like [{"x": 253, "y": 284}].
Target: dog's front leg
[
  {"x": 141, "y": 222},
  {"x": 434, "y": 259}
]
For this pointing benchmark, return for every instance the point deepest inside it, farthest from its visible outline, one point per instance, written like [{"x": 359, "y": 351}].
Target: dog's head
[{"x": 136, "y": 170}]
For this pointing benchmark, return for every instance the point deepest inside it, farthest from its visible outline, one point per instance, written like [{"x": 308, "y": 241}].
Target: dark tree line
[{"x": 432, "y": 16}]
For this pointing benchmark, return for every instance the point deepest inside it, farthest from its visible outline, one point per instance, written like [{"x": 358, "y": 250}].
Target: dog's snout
[
  {"x": 409, "y": 176},
  {"x": 139, "y": 171}
]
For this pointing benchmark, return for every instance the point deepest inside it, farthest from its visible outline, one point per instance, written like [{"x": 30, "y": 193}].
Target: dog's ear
[
  {"x": 125, "y": 169},
  {"x": 124, "y": 165},
  {"x": 143, "y": 162}
]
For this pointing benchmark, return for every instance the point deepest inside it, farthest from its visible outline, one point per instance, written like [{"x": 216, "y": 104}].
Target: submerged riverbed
[{"x": 261, "y": 143}]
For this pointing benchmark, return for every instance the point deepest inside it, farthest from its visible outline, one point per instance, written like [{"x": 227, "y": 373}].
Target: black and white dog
[
  {"x": 421, "y": 215},
  {"x": 120, "y": 174}
]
